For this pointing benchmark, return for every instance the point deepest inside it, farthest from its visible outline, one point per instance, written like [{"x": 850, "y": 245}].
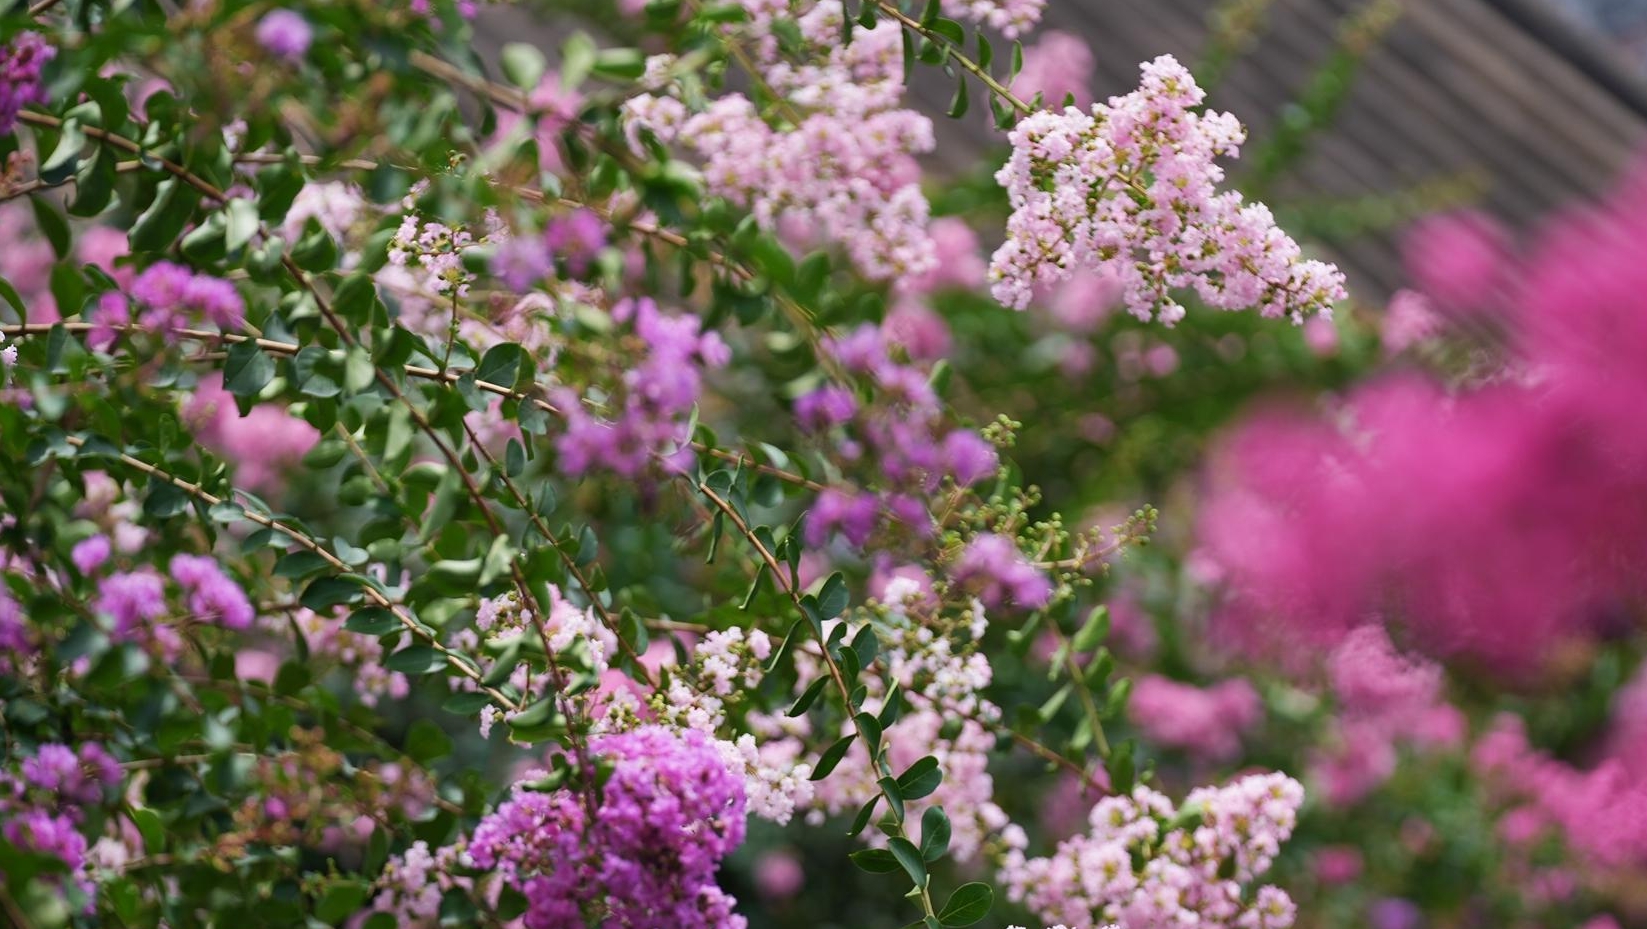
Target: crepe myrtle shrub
[{"x": 465, "y": 491}]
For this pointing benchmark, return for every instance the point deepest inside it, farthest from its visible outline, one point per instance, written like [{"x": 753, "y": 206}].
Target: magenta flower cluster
[
  {"x": 285, "y": 34},
  {"x": 1600, "y": 813},
  {"x": 20, "y": 62},
  {"x": 1131, "y": 189},
  {"x": 1206, "y": 723},
  {"x": 265, "y": 445},
  {"x": 212, "y": 595},
  {"x": 136, "y": 600},
  {"x": 1386, "y": 702},
  {"x": 653, "y": 409},
  {"x": 574, "y": 239},
  {"x": 647, "y": 853},
  {"x": 1397, "y": 506},
  {"x": 42, "y": 804},
  {"x": 902, "y": 434},
  {"x": 999, "y": 574},
  {"x": 174, "y": 297}
]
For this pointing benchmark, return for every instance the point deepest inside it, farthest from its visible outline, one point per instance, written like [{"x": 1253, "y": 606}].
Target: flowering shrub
[{"x": 446, "y": 491}]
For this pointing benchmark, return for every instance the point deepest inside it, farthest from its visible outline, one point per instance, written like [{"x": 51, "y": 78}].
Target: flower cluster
[
  {"x": 941, "y": 675},
  {"x": 285, "y": 34},
  {"x": 213, "y": 596},
  {"x": 999, "y": 573},
  {"x": 1146, "y": 864},
  {"x": 1132, "y": 188},
  {"x": 1601, "y": 813},
  {"x": 20, "y": 62},
  {"x": 1396, "y": 505},
  {"x": 173, "y": 297},
  {"x": 902, "y": 435},
  {"x": 265, "y": 444},
  {"x": 43, "y": 803},
  {"x": 645, "y": 856},
  {"x": 328, "y": 642},
  {"x": 134, "y": 600},
  {"x": 842, "y": 162},
  {"x": 1011, "y": 18},
  {"x": 659, "y": 391},
  {"x": 435, "y": 250},
  {"x": 725, "y": 666},
  {"x": 1208, "y": 723},
  {"x": 1385, "y": 701},
  {"x": 573, "y": 240}
]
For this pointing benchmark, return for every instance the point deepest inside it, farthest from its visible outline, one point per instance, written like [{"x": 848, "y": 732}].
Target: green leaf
[
  {"x": 501, "y": 364},
  {"x": 1119, "y": 693},
  {"x": 831, "y": 757},
  {"x": 160, "y": 225},
  {"x": 921, "y": 778},
  {"x": 865, "y": 646},
  {"x": 416, "y": 659},
  {"x": 910, "y": 858},
  {"x": 426, "y": 741},
  {"x": 1122, "y": 770},
  {"x": 588, "y": 547},
  {"x": 342, "y": 900},
  {"x": 874, "y": 860},
  {"x": 832, "y": 598},
  {"x": 247, "y": 370},
  {"x": 577, "y": 59},
  {"x": 466, "y": 704},
  {"x": 373, "y": 620},
  {"x": 951, "y": 30},
  {"x": 150, "y": 828},
  {"x": 324, "y": 593},
  {"x": 355, "y": 298},
  {"x": 809, "y": 696},
  {"x": 894, "y": 796},
  {"x": 967, "y": 905},
  {"x": 64, "y": 160},
  {"x": 52, "y": 226},
  {"x": 619, "y": 64},
  {"x": 935, "y": 832},
  {"x": 523, "y": 65},
  {"x": 958, "y": 103},
  {"x": 316, "y": 251},
  {"x": 1093, "y": 632},
  {"x": 11, "y": 296},
  {"x": 861, "y": 820},
  {"x": 277, "y": 187},
  {"x": 240, "y": 222},
  {"x": 94, "y": 185}
]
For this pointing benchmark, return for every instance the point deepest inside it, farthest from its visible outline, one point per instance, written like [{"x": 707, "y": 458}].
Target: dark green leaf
[
  {"x": 874, "y": 860},
  {"x": 373, "y": 620},
  {"x": 831, "y": 757},
  {"x": 501, "y": 364},
  {"x": 808, "y": 696},
  {"x": 910, "y": 858},
  {"x": 921, "y": 778},
  {"x": 247, "y": 370},
  {"x": 934, "y": 833},
  {"x": 416, "y": 659},
  {"x": 967, "y": 905},
  {"x": 832, "y": 598}
]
